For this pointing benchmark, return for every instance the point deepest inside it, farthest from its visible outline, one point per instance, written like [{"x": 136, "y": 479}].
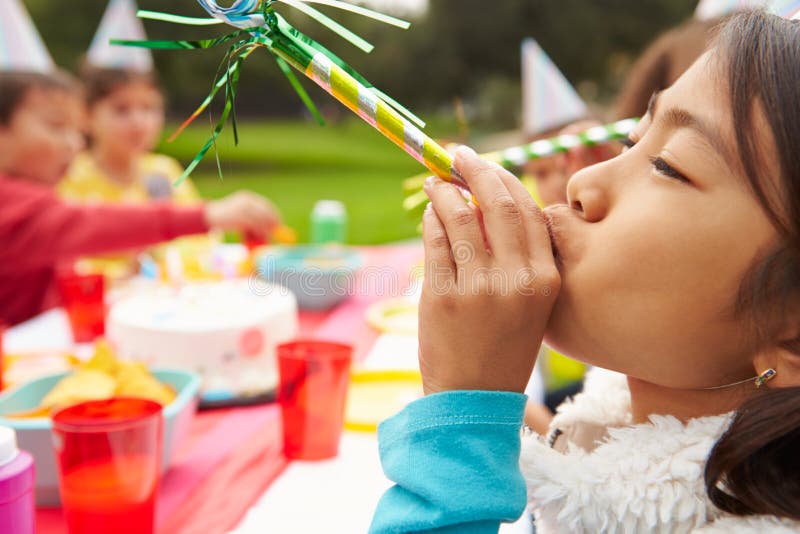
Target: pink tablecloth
[{"x": 231, "y": 456}]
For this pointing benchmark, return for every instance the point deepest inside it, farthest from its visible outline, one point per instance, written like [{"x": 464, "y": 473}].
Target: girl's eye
[
  {"x": 665, "y": 169},
  {"x": 627, "y": 144}
]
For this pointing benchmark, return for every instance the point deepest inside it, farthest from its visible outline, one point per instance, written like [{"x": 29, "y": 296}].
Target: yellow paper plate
[
  {"x": 376, "y": 395},
  {"x": 394, "y": 316}
]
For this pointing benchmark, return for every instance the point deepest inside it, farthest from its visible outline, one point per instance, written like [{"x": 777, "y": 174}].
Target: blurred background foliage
[{"x": 459, "y": 48}]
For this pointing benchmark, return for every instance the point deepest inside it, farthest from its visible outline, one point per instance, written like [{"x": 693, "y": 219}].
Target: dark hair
[
  {"x": 15, "y": 85},
  {"x": 99, "y": 82},
  {"x": 755, "y": 466}
]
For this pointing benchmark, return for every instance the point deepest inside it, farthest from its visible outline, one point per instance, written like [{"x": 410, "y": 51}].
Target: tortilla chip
[
  {"x": 134, "y": 380},
  {"x": 102, "y": 377},
  {"x": 103, "y": 358},
  {"x": 84, "y": 385}
]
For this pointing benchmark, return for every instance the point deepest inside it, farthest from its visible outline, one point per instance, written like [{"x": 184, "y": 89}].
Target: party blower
[{"x": 259, "y": 25}]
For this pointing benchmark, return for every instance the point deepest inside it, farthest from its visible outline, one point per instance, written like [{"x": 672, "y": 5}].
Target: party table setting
[
  {"x": 203, "y": 470},
  {"x": 102, "y": 396}
]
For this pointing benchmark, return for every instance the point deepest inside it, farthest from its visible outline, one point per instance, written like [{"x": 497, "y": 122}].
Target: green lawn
[{"x": 296, "y": 163}]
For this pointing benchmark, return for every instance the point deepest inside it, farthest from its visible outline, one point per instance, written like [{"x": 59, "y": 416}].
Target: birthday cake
[{"x": 226, "y": 331}]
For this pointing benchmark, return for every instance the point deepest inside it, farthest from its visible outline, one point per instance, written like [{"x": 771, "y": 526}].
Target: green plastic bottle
[{"x": 329, "y": 222}]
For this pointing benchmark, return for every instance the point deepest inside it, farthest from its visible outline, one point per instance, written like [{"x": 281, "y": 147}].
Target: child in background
[
  {"x": 124, "y": 122},
  {"x": 41, "y": 114}
]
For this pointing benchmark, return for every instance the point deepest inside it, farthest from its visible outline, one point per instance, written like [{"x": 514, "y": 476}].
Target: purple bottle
[{"x": 16, "y": 486}]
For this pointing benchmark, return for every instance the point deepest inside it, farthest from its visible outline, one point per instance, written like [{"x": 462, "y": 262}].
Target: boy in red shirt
[{"x": 40, "y": 134}]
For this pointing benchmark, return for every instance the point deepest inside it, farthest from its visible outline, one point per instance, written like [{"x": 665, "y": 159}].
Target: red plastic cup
[
  {"x": 314, "y": 376},
  {"x": 83, "y": 296},
  {"x": 109, "y": 458}
]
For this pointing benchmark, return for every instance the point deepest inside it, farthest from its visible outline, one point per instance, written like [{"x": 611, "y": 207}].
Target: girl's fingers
[
  {"x": 439, "y": 265},
  {"x": 501, "y": 213},
  {"x": 534, "y": 223},
  {"x": 459, "y": 222}
]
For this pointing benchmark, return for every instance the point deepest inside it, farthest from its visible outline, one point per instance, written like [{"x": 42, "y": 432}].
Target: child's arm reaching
[{"x": 42, "y": 230}]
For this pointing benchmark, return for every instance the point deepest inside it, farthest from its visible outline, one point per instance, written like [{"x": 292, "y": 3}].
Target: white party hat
[
  {"x": 548, "y": 99},
  {"x": 21, "y": 46},
  {"x": 120, "y": 22}
]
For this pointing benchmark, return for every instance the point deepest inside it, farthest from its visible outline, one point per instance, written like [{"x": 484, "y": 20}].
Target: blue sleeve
[{"x": 455, "y": 460}]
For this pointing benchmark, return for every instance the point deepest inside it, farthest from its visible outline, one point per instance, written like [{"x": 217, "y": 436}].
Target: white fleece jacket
[{"x": 644, "y": 478}]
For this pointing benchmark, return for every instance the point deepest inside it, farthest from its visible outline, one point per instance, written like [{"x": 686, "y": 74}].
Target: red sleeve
[{"x": 37, "y": 228}]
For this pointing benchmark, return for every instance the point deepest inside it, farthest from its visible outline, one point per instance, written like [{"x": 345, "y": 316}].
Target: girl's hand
[{"x": 490, "y": 282}]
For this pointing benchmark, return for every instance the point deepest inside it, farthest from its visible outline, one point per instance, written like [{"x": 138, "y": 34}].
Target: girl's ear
[
  {"x": 784, "y": 357},
  {"x": 784, "y": 354}
]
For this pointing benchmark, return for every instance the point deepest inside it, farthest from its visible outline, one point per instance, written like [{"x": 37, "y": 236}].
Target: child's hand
[
  {"x": 245, "y": 211},
  {"x": 483, "y": 312}
]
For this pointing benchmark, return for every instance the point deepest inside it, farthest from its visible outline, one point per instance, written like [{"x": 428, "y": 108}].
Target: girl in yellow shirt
[{"x": 125, "y": 120}]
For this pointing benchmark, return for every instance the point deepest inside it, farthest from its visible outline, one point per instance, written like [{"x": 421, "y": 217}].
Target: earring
[{"x": 764, "y": 377}]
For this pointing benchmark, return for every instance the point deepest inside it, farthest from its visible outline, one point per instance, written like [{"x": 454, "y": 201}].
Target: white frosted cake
[{"x": 226, "y": 331}]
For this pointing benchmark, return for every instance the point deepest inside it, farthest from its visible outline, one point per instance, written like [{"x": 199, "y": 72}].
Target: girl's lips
[
  {"x": 552, "y": 215},
  {"x": 548, "y": 219}
]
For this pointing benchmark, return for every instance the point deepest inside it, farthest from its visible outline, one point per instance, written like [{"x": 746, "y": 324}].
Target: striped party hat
[
  {"x": 548, "y": 99},
  {"x": 120, "y": 22},
  {"x": 21, "y": 46}
]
